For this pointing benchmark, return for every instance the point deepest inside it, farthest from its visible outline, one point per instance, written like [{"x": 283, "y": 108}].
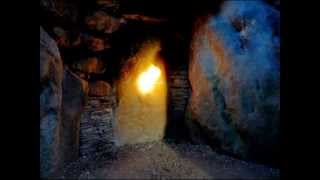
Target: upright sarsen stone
[
  {"x": 51, "y": 73},
  {"x": 235, "y": 78},
  {"x": 75, "y": 91},
  {"x": 62, "y": 99}
]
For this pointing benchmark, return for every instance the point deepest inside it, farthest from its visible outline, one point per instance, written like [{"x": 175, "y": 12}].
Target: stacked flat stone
[
  {"x": 96, "y": 128},
  {"x": 179, "y": 92},
  {"x": 179, "y": 89},
  {"x": 97, "y": 123}
]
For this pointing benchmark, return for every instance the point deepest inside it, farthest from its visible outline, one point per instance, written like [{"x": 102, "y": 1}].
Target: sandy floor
[{"x": 160, "y": 160}]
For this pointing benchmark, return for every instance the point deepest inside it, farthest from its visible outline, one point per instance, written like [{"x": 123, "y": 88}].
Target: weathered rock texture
[
  {"x": 51, "y": 73},
  {"x": 179, "y": 89},
  {"x": 61, "y": 8},
  {"x": 97, "y": 126},
  {"x": 234, "y": 74},
  {"x": 75, "y": 91},
  {"x": 178, "y": 95},
  {"x": 99, "y": 89},
  {"x": 103, "y": 22},
  {"x": 141, "y": 117},
  {"x": 90, "y": 65}
]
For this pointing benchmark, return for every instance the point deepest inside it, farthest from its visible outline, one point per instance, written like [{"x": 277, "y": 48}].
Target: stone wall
[
  {"x": 178, "y": 95},
  {"x": 97, "y": 126},
  {"x": 179, "y": 89}
]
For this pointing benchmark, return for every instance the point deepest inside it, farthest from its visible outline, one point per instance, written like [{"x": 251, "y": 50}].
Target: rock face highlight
[
  {"x": 51, "y": 74},
  {"x": 62, "y": 99},
  {"x": 235, "y": 78}
]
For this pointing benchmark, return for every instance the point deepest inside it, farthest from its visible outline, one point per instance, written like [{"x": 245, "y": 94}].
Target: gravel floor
[{"x": 163, "y": 160}]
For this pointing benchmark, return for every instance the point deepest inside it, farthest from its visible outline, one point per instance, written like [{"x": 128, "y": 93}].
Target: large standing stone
[
  {"x": 62, "y": 99},
  {"x": 234, "y": 74},
  {"x": 62, "y": 96},
  {"x": 75, "y": 91},
  {"x": 51, "y": 71}
]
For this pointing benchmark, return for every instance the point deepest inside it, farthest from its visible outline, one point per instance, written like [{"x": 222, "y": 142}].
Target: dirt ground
[{"x": 163, "y": 160}]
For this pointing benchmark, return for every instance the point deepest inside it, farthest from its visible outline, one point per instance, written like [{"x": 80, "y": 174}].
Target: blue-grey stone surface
[
  {"x": 235, "y": 78},
  {"x": 51, "y": 71}
]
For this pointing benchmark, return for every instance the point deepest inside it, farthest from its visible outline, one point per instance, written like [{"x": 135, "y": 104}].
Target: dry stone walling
[
  {"x": 178, "y": 95},
  {"x": 97, "y": 125}
]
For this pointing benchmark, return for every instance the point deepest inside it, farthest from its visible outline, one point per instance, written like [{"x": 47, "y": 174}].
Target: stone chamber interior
[{"x": 216, "y": 79}]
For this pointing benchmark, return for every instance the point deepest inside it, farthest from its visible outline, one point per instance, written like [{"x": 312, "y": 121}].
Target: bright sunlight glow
[{"x": 148, "y": 79}]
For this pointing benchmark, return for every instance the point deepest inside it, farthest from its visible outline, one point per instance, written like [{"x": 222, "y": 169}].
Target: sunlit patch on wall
[{"x": 141, "y": 114}]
